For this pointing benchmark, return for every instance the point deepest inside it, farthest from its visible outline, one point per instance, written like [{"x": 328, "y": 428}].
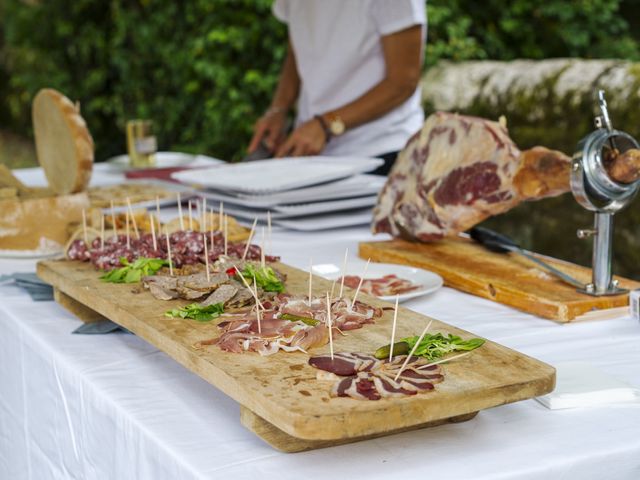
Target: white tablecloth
[{"x": 114, "y": 407}]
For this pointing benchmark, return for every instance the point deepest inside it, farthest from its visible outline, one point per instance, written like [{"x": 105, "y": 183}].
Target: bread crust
[{"x": 54, "y": 162}]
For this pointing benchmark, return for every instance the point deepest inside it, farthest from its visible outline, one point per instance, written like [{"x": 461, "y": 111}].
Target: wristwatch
[
  {"x": 332, "y": 124},
  {"x": 336, "y": 125}
]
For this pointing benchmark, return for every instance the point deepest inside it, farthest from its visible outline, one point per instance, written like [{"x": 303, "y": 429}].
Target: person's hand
[
  {"x": 270, "y": 129},
  {"x": 308, "y": 139}
]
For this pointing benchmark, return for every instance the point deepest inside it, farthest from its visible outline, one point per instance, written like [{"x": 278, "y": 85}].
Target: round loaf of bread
[{"x": 63, "y": 143}]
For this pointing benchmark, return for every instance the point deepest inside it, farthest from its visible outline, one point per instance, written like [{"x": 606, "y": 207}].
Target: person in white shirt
[{"x": 353, "y": 67}]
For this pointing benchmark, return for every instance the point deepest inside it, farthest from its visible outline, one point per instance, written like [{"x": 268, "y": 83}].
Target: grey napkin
[
  {"x": 100, "y": 328},
  {"x": 38, "y": 290}
]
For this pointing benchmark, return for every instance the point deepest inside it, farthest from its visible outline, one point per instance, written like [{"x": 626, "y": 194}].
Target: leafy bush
[{"x": 204, "y": 70}]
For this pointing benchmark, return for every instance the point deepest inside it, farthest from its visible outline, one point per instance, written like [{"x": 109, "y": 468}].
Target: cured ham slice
[
  {"x": 381, "y": 287},
  {"x": 364, "y": 377},
  {"x": 289, "y": 324}
]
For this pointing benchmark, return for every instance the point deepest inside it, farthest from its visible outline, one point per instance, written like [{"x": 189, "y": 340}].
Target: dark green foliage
[{"x": 204, "y": 70}]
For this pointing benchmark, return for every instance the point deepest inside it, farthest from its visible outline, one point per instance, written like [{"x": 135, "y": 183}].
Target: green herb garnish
[
  {"x": 431, "y": 347},
  {"x": 197, "y": 312},
  {"x": 133, "y": 272},
  {"x": 265, "y": 277},
  {"x": 296, "y": 318}
]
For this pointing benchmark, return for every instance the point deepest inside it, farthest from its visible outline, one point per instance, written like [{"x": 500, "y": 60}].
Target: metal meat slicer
[{"x": 596, "y": 191}]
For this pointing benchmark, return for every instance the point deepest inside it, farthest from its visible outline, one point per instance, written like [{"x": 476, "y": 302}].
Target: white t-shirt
[{"x": 339, "y": 56}]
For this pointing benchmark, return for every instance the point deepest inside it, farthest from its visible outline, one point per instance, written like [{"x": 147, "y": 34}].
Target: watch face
[{"x": 337, "y": 127}]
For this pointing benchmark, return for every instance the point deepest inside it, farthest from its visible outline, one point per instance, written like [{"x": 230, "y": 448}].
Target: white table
[{"x": 112, "y": 406}]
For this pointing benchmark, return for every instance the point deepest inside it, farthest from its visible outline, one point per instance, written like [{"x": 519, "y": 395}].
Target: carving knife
[{"x": 497, "y": 242}]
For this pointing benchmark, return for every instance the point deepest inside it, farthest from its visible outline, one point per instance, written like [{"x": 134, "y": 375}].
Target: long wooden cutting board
[
  {"x": 505, "y": 278},
  {"x": 281, "y": 399}
]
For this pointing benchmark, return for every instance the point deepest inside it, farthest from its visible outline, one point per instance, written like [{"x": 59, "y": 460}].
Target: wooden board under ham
[
  {"x": 281, "y": 399},
  {"x": 504, "y": 278}
]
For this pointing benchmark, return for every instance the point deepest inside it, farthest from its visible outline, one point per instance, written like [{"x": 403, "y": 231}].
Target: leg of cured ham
[{"x": 459, "y": 170}]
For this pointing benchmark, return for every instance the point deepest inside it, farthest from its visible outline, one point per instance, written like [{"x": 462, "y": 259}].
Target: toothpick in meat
[
  {"x": 84, "y": 227},
  {"x": 126, "y": 216},
  {"x": 101, "y": 232},
  {"x": 258, "y": 305},
  {"x": 180, "y": 213},
  {"x": 133, "y": 219},
  {"x": 206, "y": 256},
  {"x": 166, "y": 232},
  {"x": 220, "y": 215},
  {"x": 415, "y": 347},
  {"x": 443, "y": 360},
  {"x": 393, "y": 328},
  {"x": 355, "y": 296},
  {"x": 153, "y": 232},
  {"x": 269, "y": 229},
  {"x": 253, "y": 229},
  {"x": 344, "y": 271},
  {"x": 246, "y": 284},
  {"x": 310, "y": 278},
  {"x": 204, "y": 214},
  {"x": 262, "y": 259},
  {"x": 212, "y": 229},
  {"x": 226, "y": 234},
  {"x": 190, "y": 217},
  {"x": 329, "y": 325},
  {"x": 113, "y": 220}
]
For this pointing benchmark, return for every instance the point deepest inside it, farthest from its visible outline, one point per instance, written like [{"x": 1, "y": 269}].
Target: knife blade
[{"x": 499, "y": 243}]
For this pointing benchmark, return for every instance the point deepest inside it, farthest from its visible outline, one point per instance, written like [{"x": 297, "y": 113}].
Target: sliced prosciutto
[
  {"x": 381, "y": 287},
  {"x": 364, "y": 377},
  {"x": 289, "y": 323}
]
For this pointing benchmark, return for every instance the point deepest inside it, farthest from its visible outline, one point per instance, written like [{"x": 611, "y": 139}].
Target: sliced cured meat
[
  {"x": 222, "y": 295},
  {"x": 383, "y": 286},
  {"x": 364, "y": 377}
]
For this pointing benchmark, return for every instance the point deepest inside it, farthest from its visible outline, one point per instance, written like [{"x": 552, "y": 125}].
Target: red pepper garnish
[{"x": 232, "y": 272}]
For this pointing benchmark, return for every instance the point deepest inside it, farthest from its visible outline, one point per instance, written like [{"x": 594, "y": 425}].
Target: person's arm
[
  {"x": 402, "y": 54},
  {"x": 270, "y": 126}
]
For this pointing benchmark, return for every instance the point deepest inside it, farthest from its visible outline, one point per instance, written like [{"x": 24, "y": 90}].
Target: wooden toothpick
[
  {"x": 262, "y": 258},
  {"x": 204, "y": 215},
  {"x": 269, "y": 229},
  {"x": 253, "y": 229},
  {"x": 180, "y": 213},
  {"x": 258, "y": 305},
  {"x": 113, "y": 220},
  {"x": 126, "y": 216},
  {"x": 364, "y": 273},
  {"x": 415, "y": 347},
  {"x": 329, "y": 326},
  {"x": 190, "y": 217},
  {"x": 246, "y": 284},
  {"x": 220, "y": 215},
  {"x": 166, "y": 232},
  {"x": 310, "y": 278},
  {"x": 206, "y": 256},
  {"x": 225, "y": 234},
  {"x": 84, "y": 227},
  {"x": 393, "y": 328},
  {"x": 443, "y": 360},
  {"x": 344, "y": 271},
  {"x": 133, "y": 219},
  {"x": 101, "y": 232},
  {"x": 211, "y": 236},
  {"x": 153, "y": 232}
]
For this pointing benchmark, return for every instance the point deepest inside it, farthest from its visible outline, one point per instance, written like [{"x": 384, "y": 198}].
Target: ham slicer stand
[{"x": 596, "y": 191}]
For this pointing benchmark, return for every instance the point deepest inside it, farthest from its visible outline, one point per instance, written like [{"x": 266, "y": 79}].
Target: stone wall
[{"x": 550, "y": 103}]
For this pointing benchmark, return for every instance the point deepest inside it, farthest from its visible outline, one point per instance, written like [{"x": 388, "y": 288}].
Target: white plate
[
  {"x": 163, "y": 160},
  {"x": 349, "y": 218},
  {"x": 277, "y": 175},
  {"x": 303, "y": 209},
  {"x": 356, "y": 186},
  {"x": 429, "y": 281}
]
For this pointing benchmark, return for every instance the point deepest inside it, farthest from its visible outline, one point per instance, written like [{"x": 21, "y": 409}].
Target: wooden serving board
[
  {"x": 281, "y": 400},
  {"x": 505, "y": 278}
]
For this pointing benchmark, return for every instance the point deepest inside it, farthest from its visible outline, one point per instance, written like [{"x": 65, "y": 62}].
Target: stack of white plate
[{"x": 302, "y": 193}]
